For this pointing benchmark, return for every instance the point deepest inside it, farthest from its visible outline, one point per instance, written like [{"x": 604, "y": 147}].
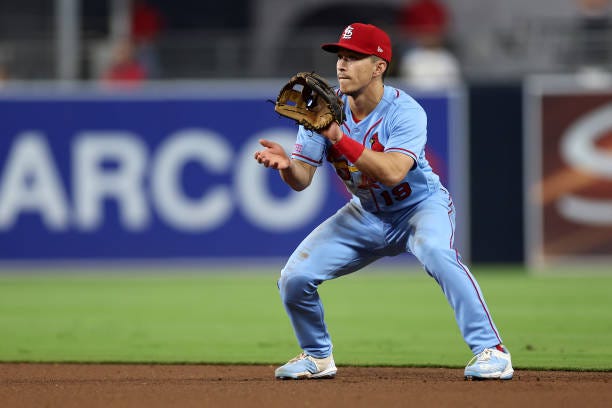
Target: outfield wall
[{"x": 166, "y": 173}]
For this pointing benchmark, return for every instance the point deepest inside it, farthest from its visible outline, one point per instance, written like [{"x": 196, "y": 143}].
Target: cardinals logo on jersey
[{"x": 375, "y": 144}]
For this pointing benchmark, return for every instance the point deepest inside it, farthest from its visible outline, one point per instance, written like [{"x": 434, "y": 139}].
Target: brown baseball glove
[{"x": 309, "y": 100}]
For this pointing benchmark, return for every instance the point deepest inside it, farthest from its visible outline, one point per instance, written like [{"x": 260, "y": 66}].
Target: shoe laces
[
  {"x": 301, "y": 356},
  {"x": 484, "y": 355}
]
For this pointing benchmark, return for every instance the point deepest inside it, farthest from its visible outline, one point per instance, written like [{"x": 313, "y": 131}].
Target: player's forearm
[
  {"x": 387, "y": 168},
  {"x": 297, "y": 175}
]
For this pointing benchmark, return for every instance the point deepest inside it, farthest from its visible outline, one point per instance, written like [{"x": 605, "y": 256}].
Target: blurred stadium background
[
  {"x": 64, "y": 39},
  {"x": 187, "y": 101}
]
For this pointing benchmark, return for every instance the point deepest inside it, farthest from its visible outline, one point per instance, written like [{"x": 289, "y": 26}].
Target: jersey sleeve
[
  {"x": 310, "y": 147},
  {"x": 407, "y": 128}
]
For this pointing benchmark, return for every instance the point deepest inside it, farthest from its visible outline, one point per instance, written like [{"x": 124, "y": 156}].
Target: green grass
[{"x": 375, "y": 318}]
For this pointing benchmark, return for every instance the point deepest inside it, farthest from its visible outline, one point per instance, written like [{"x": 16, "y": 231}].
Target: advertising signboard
[
  {"x": 162, "y": 173},
  {"x": 569, "y": 171}
]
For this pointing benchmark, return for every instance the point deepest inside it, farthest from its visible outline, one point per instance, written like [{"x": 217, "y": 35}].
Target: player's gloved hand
[
  {"x": 309, "y": 100},
  {"x": 333, "y": 132}
]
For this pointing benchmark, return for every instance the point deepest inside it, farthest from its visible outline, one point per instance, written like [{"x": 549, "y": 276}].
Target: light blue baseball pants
[{"x": 353, "y": 238}]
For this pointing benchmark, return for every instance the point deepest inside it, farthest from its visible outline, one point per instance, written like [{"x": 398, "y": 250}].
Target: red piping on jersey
[
  {"x": 348, "y": 130},
  {"x": 307, "y": 158},
  {"x": 369, "y": 130},
  {"x": 467, "y": 273},
  {"x": 478, "y": 294},
  {"x": 401, "y": 150},
  {"x": 450, "y": 211}
]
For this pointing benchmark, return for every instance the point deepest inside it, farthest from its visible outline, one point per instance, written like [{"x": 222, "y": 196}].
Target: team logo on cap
[
  {"x": 379, "y": 49},
  {"x": 348, "y": 33}
]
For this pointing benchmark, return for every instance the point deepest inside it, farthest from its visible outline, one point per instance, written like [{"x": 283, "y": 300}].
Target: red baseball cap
[{"x": 363, "y": 38}]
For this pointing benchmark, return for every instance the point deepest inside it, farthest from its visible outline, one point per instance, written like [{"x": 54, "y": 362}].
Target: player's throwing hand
[{"x": 273, "y": 155}]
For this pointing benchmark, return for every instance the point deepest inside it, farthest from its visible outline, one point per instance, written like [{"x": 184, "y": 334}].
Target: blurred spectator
[
  {"x": 593, "y": 47},
  {"x": 147, "y": 23},
  {"x": 125, "y": 69},
  {"x": 426, "y": 61},
  {"x": 418, "y": 17}
]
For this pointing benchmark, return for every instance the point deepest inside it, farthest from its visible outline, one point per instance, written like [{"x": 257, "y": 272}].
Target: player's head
[{"x": 363, "y": 38}]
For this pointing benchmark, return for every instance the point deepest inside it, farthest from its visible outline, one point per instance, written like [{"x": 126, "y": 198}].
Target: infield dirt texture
[{"x": 116, "y": 385}]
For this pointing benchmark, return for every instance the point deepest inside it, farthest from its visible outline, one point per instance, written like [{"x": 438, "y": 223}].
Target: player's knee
[
  {"x": 427, "y": 250},
  {"x": 294, "y": 287}
]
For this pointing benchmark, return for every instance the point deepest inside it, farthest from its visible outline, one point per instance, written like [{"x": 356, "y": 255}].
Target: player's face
[{"x": 354, "y": 71}]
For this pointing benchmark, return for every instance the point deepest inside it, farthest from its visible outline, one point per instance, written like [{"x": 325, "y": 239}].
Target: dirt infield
[{"x": 119, "y": 385}]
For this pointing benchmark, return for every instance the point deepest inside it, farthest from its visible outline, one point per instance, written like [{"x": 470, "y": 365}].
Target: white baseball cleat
[
  {"x": 307, "y": 367},
  {"x": 490, "y": 364}
]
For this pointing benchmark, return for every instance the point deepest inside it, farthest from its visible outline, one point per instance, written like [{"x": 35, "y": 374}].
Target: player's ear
[{"x": 380, "y": 66}]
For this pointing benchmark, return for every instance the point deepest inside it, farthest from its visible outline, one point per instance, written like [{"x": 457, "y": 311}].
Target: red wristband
[{"x": 351, "y": 149}]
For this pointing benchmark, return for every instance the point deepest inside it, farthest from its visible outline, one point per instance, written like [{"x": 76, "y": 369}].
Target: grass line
[{"x": 375, "y": 318}]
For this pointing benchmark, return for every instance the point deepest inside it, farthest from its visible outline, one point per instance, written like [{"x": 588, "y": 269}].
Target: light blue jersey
[{"x": 398, "y": 124}]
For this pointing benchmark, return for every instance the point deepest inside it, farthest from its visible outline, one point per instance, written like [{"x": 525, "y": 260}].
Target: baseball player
[{"x": 398, "y": 205}]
